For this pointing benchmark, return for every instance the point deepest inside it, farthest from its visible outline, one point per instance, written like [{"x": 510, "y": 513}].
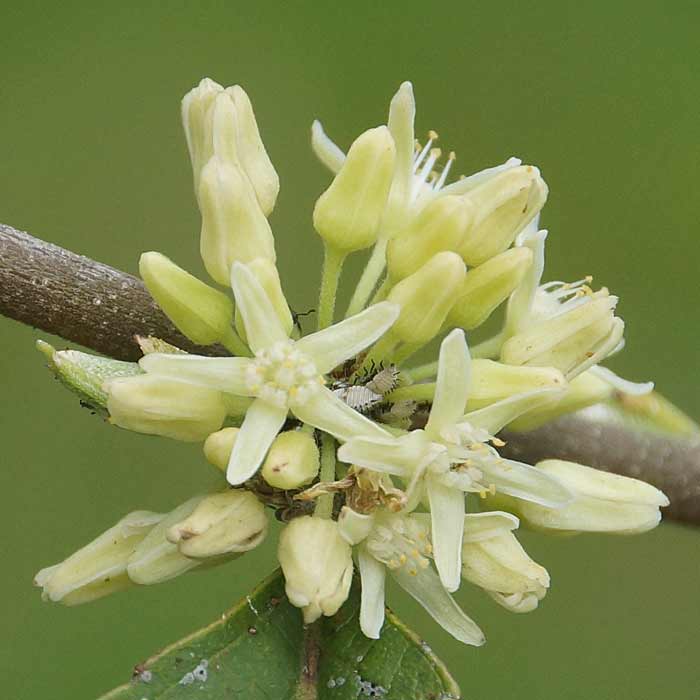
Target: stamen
[
  {"x": 422, "y": 176},
  {"x": 432, "y": 136},
  {"x": 443, "y": 175}
]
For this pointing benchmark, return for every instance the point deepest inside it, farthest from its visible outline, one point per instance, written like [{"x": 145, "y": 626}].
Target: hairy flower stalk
[{"x": 367, "y": 461}]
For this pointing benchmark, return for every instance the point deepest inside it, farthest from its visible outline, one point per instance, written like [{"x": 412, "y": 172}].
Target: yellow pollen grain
[
  {"x": 403, "y": 559},
  {"x": 432, "y": 135},
  {"x": 413, "y": 572},
  {"x": 428, "y": 548},
  {"x": 498, "y": 442}
]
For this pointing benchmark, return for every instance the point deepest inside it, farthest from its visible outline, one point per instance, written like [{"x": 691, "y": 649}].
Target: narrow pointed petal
[
  {"x": 402, "y": 114},
  {"x": 526, "y": 482},
  {"x": 262, "y": 325},
  {"x": 522, "y": 299},
  {"x": 400, "y": 456},
  {"x": 479, "y": 527},
  {"x": 495, "y": 417},
  {"x": 621, "y": 384},
  {"x": 373, "y": 575},
  {"x": 325, "y": 149},
  {"x": 427, "y": 589},
  {"x": 607, "y": 348},
  {"x": 466, "y": 184},
  {"x": 447, "y": 519},
  {"x": 223, "y": 373},
  {"x": 332, "y": 346},
  {"x": 452, "y": 385},
  {"x": 327, "y": 412},
  {"x": 261, "y": 424}
]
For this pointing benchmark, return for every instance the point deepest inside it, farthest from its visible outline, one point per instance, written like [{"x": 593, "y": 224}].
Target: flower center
[
  {"x": 282, "y": 375},
  {"x": 401, "y": 542},
  {"x": 555, "y": 298}
]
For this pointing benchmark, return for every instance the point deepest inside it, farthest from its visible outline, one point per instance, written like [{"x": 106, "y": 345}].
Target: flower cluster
[{"x": 370, "y": 461}]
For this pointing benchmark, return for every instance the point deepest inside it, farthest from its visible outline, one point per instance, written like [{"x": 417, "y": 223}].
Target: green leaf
[{"x": 260, "y": 650}]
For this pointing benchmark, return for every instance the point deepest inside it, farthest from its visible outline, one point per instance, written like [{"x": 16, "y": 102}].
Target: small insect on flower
[
  {"x": 358, "y": 397},
  {"x": 384, "y": 381}
]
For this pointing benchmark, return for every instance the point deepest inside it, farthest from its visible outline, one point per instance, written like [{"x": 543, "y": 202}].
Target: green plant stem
[
  {"x": 370, "y": 276},
  {"x": 489, "y": 349},
  {"x": 405, "y": 351},
  {"x": 333, "y": 260},
  {"x": 421, "y": 372},
  {"x": 233, "y": 343},
  {"x": 414, "y": 392},
  {"x": 324, "y": 504}
]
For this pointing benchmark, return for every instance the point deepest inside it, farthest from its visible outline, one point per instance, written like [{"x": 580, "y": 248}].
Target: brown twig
[
  {"x": 81, "y": 300},
  {"x": 101, "y": 308}
]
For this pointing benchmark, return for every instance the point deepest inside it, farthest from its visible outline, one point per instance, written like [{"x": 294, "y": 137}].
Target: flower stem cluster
[{"x": 400, "y": 463}]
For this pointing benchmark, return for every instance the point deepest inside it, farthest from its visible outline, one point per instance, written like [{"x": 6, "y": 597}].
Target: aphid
[
  {"x": 384, "y": 381},
  {"x": 359, "y": 397}
]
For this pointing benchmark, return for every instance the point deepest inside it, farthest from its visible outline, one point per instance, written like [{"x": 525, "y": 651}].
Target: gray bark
[{"x": 101, "y": 308}]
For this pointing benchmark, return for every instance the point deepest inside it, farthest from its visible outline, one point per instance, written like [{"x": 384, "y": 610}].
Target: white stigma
[{"x": 282, "y": 375}]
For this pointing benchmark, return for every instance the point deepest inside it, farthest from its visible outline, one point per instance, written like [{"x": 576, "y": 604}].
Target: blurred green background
[{"x": 604, "y": 97}]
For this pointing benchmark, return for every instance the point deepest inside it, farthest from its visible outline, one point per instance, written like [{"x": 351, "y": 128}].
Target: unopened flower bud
[
  {"x": 493, "y": 381},
  {"x": 196, "y": 121},
  {"x": 500, "y": 566},
  {"x": 162, "y": 406},
  {"x": 571, "y": 341},
  {"x": 234, "y": 227},
  {"x": 236, "y": 138},
  {"x": 585, "y": 390},
  {"x": 266, "y": 273},
  {"x": 426, "y": 298},
  {"x": 317, "y": 566},
  {"x": 222, "y": 122},
  {"x": 99, "y": 568},
  {"x": 86, "y": 374},
  {"x": 440, "y": 225},
  {"x": 348, "y": 214},
  {"x": 292, "y": 460},
  {"x": 155, "y": 559},
  {"x": 219, "y": 445},
  {"x": 230, "y": 522},
  {"x": 504, "y": 205},
  {"x": 488, "y": 286},
  {"x": 202, "y": 313},
  {"x": 603, "y": 502}
]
